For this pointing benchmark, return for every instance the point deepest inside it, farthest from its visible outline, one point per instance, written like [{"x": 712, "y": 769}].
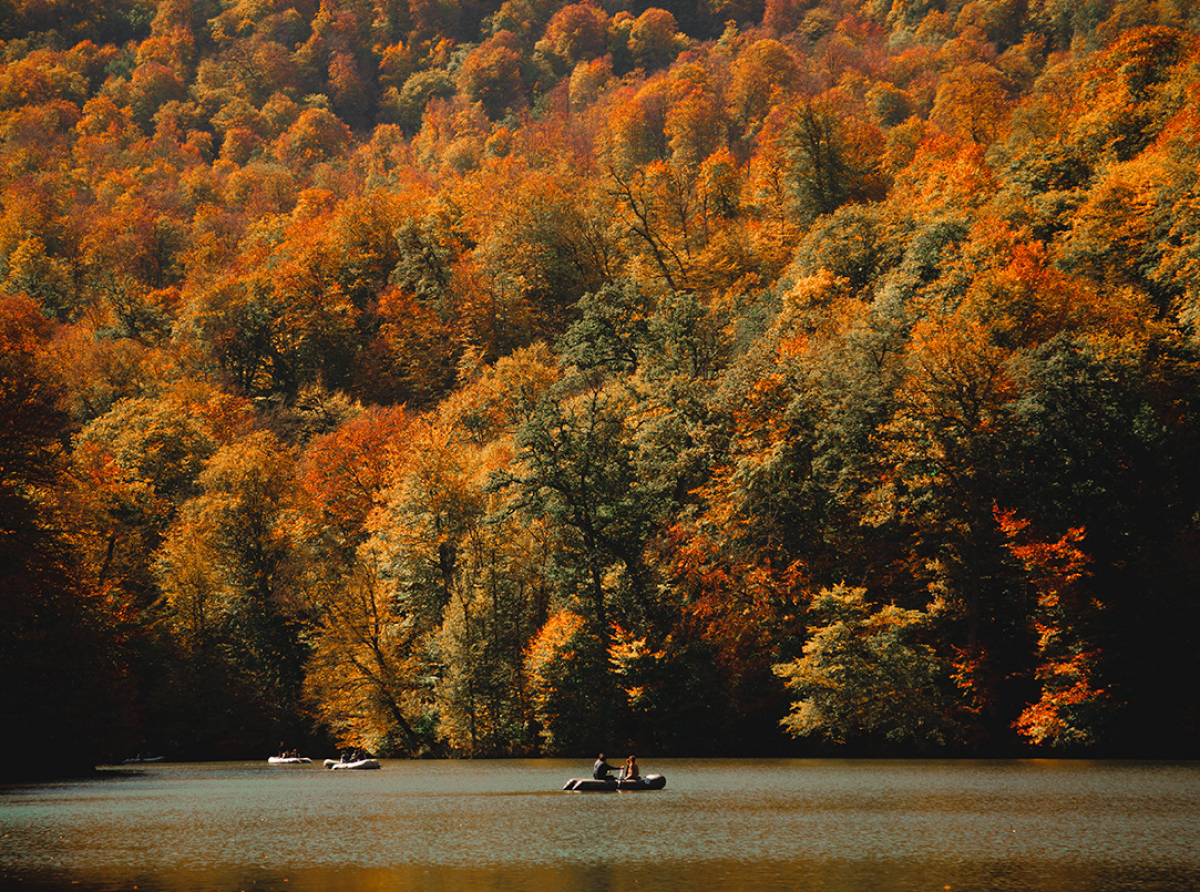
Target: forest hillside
[{"x": 481, "y": 378}]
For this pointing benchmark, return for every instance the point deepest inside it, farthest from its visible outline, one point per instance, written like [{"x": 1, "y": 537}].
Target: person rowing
[{"x": 601, "y": 769}]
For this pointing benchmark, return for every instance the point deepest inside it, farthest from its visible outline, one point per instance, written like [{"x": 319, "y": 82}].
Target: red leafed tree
[
  {"x": 1072, "y": 703},
  {"x": 342, "y": 473},
  {"x": 577, "y": 33},
  {"x": 491, "y": 74}
]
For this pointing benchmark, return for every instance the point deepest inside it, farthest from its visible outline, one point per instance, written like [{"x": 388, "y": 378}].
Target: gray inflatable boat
[{"x": 613, "y": 785}]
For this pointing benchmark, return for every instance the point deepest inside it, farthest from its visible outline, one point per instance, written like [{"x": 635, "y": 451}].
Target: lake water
[{"x": 506, "y": 826}]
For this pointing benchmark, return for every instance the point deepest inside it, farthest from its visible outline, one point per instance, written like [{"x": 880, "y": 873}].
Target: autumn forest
[{"x": 481, "y": 378}]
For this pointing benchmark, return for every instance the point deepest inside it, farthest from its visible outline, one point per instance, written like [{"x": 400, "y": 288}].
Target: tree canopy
[{"x": 485, "y": 379}]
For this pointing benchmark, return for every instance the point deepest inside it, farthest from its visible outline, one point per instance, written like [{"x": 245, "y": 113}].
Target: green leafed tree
[
  {"x": 866, "y": 677},
  {"x": 483, "y": 706},
  {"x": 826, "y": 168}
]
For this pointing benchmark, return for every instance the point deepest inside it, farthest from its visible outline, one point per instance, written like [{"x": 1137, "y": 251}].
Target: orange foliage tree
[{"x": 1072, "y": 706}]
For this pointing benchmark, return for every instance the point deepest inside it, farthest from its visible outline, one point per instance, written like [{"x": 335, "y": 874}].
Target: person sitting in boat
[
  {"x": 601, "y": 769},
  {"x": 631, "y": 769}
]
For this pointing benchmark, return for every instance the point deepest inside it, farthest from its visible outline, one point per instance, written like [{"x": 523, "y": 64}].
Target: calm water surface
[{"x": 822, "y": 825}]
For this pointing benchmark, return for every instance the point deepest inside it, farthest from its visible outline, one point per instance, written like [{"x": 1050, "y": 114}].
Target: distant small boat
[
  {"x": 138, "y": 760},
  {"x": 616, "y": 785},
  {"x": 359, "y": 764},
  {"x": 290, "y": 760}
]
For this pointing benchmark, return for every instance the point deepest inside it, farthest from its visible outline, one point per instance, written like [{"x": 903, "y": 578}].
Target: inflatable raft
[
  {"x": 613, "y": 785},
  {"x": 290, "y": 760},
  {"x": 360, "y": 764}
]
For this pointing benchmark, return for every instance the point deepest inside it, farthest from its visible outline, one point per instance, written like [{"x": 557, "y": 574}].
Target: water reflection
[{"x": 825, "y": 826}]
